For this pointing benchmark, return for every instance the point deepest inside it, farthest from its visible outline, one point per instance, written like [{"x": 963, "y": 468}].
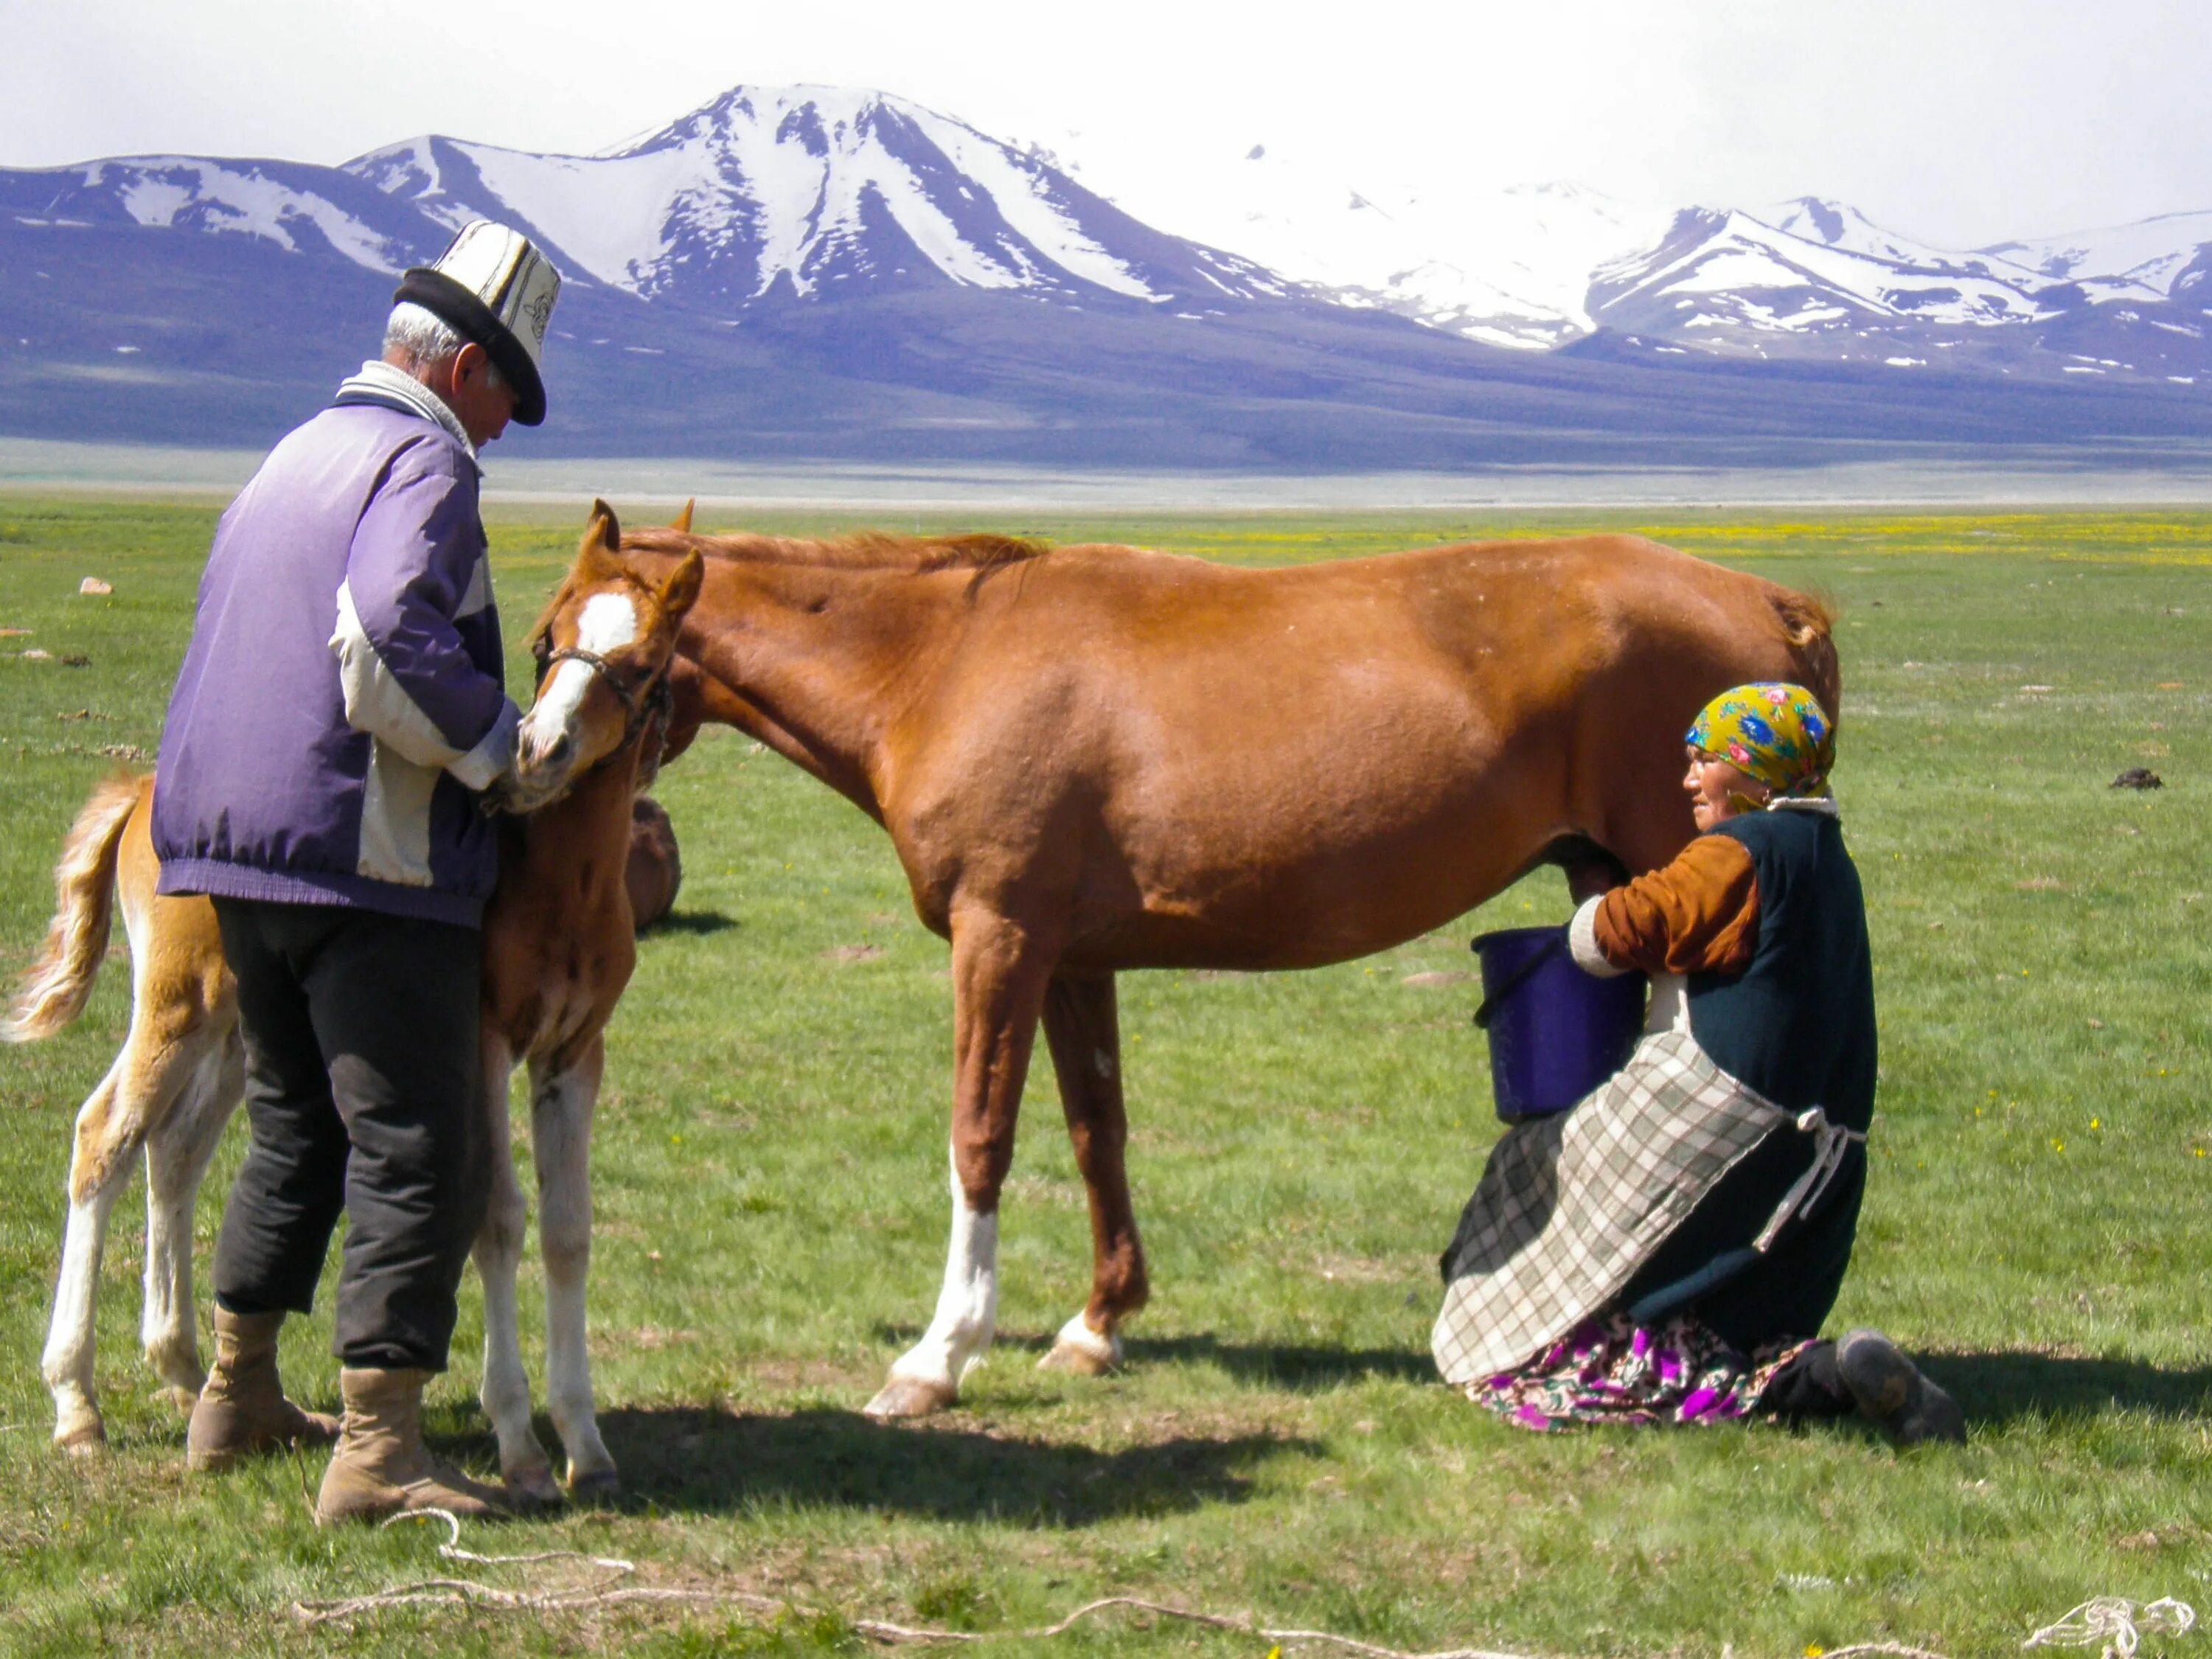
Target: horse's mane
[{"x": 870, "y": 550}]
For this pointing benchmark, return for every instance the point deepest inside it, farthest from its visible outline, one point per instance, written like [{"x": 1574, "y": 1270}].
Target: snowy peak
[
  {"x": 1717, "y": 270},
  {"x": 801, "y": 192},
  {"x": 1510, "y": 269},
  {"x": 1838, "y": 225},
  {"x": 297, "y": 207},
  {"x": 1540, "y": 266},
  {"x": 2149, "y": 255}
]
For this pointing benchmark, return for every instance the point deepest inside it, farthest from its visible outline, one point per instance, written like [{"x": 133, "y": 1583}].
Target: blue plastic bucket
[{"x": 1555, "y": 1031}]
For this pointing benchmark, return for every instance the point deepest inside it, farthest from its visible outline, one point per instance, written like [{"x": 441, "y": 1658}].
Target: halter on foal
[{"x": 558, "y": 951}]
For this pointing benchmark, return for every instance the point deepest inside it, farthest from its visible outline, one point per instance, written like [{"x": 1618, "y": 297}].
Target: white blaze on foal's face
[{"x": 607, "y": 623}]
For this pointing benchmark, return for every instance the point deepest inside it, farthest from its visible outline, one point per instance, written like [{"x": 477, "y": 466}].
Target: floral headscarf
[{"x": 1776, "y": 733}]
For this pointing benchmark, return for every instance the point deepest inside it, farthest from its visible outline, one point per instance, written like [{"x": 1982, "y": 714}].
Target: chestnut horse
[
  {"x": 559, "y": 951},
  {"x": 1100, "y": 758}
]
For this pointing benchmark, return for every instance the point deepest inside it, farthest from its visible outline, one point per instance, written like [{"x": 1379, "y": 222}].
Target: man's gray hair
[{"x": 423, "y": 338}]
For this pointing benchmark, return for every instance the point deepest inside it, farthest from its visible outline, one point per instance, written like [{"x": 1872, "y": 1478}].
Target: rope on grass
[
  {"x": 597, "y": 1582},
  {"x": 2116, "y": 1624},
  {"x": 606, "y": 1588}
]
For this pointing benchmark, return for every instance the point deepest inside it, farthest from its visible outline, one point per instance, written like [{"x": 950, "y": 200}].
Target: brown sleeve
[{"x": 1698, "y": 914}]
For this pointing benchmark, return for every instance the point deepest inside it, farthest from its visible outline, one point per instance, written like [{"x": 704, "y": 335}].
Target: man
[{"x": 340, "y": 712}]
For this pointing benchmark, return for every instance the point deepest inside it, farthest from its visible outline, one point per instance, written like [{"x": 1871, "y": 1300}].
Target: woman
[{"x": 1666, "y": 1251}]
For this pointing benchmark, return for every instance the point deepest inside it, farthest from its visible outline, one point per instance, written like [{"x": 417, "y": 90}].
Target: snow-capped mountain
[
  {"x": 774, "y": 194},
  {"x": 820, "y": 272},
  {"x": 1539, "y": 267},
  {"x": 1511, "y": 268},
  {"x": 765, "y": 193},
  {"x": 2151, "y": 254},
  {"x": 1812, "y": 280},
  {"x": 1718, "y": 270},
  {"x": 794, "y": 191},
  {"x": 293, "y": 205}
]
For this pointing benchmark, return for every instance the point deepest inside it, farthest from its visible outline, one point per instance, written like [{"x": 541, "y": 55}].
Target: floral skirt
[{"x": 1609, "y": 1370}]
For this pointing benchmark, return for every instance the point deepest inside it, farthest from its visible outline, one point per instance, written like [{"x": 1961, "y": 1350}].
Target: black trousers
[{"x": 363, "y": 1094}]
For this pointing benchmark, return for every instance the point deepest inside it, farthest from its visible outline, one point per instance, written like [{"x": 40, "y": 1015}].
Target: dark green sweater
[{"x": 1797, "y": 1024}]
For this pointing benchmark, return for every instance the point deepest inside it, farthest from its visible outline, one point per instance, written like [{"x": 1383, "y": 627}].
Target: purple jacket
[{"x": 343, "y": 698}]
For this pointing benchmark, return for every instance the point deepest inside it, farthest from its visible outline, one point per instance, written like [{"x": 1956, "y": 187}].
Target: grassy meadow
[{"x": 770, "y": 1185}]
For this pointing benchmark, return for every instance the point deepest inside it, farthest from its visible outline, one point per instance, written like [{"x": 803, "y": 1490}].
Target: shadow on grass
[
  {"x": 707, "y": 1461},
  {"x": 1298, "y": 1370},
  {"x": 1996, "y": 1388},
  {"x": 691, "y": 922},
  {"x": 1991, "y": 1388}
]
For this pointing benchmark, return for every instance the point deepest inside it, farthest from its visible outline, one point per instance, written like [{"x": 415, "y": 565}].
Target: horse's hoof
[
  {"x": 595, "y": 1488},
  {"x": 908, "y": 1396},
  {"x": 1080, "y": 1359},
  {"x": 532, "y": 1488},
  {"x": 178, "y": 1397},
  {"x": 83, "y": 1439}
]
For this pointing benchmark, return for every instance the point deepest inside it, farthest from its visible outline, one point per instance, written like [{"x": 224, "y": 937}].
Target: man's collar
[{"x": 380, "y": 384}]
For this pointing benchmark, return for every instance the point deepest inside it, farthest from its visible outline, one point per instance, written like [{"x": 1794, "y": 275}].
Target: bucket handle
[{"x": 1513, "y": 981}]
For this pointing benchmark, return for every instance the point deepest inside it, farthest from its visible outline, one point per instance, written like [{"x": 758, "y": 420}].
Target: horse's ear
[
  {"x": 682, "y": 588},
  {"x": 683, "y": 523},
  {"x": 605, "y": 523},
  {"x": 596, "y": 560}
]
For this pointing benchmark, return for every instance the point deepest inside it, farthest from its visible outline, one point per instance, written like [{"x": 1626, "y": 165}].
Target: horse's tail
[
  {"x": 53, "y": 992},
  {"x": 1809, "y": 621}
]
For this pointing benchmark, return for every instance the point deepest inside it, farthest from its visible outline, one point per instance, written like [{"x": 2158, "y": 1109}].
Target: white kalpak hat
[{"x": 491, "y": 286}]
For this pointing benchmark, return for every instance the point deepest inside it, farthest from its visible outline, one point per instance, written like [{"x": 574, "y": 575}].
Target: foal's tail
[
  {"x": 1809, "y": 621},
  {"x": 52, "y": 993}
]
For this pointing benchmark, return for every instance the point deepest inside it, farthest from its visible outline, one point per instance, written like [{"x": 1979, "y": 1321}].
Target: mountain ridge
[{"x": 885, "y": 279}]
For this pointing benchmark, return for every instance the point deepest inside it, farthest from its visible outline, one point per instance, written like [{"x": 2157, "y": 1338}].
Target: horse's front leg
[
  {"x": 523, "y": 1464},
  {"x": 999, "y": 974},
  {"x": 561, "y": 1098},
  {"x": 1084, "y": 1035}
]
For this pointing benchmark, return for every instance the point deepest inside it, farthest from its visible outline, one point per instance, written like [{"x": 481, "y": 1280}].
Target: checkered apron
[{"x": 1571, "y": 1205}]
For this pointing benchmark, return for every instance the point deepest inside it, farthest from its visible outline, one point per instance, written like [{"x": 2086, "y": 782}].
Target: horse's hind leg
[
  {"x": 561, "y": 1104},
  {"x": 1082, "y": 1030},
  {"x": 172, "y": 1038},
  {"x": 109, "y": 1128},
  {"x": 177, "y": 1150},
  {"x": 998, "y": 973},
  {"x": 523, "y": 1464}
]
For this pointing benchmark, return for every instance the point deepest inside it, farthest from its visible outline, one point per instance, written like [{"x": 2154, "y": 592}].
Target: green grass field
[{"x": 771, "y": 1203}]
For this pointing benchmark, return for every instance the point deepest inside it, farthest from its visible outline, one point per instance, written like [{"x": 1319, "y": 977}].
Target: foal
[{"x": 558, "y": 951}]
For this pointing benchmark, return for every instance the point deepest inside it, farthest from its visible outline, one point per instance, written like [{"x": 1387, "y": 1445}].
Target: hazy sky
[{"x": 1960, "y": 122}]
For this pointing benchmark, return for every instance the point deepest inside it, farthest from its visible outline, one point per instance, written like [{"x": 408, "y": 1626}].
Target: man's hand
[{"x": 509, "y": 793}]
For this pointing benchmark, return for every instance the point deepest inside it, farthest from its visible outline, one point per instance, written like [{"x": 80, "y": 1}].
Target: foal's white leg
[
  {"x": 177, "y": 1153},
  {"x": 928, "y": 1376},
  {"x": 560, "y": 1136},
  {"x": 523, "y": 1464},
  {"x": 100, "y": 1161}
]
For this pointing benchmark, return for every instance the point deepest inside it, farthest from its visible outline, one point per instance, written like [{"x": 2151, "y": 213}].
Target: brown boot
[
  {"x": 381, "y": 1466},
  {"x": 242, "y": 1410}
]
